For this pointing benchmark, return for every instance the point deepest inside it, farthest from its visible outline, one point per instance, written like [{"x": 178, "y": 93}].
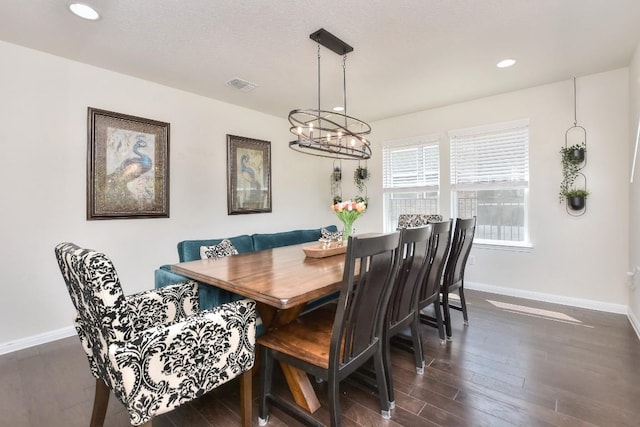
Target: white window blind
[
  {"x": 412, "y": 164},
  {"x": 493, "y": 156},
  {"x": 410, "y": 178},
  {"x": 490, "y": 180}
]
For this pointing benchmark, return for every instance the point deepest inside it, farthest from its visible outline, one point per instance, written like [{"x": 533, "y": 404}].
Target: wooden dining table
[{"x": 281, "y": 281}]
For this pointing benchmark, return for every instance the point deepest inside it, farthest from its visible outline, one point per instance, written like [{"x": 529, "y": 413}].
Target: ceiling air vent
[{"x": 242, "y": 85}]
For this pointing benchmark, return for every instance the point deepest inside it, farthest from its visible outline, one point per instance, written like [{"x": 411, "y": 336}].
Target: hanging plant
[
  {"x": 572, "y": 158},
  {"x": 336, "y": 184},
  {"x": 360, "y": 199},
  {"x": 336, "y": 175},
  {"x": 360, "y": 177},
  {"x": 576, "y": 198}
]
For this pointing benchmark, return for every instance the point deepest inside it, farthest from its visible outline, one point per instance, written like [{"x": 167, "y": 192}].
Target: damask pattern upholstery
[
  {"x": 330, "y": 235},
  {"x": 154, "y": 350},
  {"x": 417, "y": 220},
  {"x": 222, "y": 249}
]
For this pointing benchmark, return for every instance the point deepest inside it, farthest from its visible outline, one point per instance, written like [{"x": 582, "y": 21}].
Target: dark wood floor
[{"x": 519, "y": 362}]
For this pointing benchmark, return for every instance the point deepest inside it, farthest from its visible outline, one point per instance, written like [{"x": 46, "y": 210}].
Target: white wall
[
  {"x": 574, "y": 259},
  {"x": 634, "y": 189},
  {"x": 43, "y": 140}
]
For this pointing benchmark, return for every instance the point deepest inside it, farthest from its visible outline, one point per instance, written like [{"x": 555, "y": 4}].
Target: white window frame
[
  {"x": 431, "y": 140},
  {"x": 476, "y": 179}
]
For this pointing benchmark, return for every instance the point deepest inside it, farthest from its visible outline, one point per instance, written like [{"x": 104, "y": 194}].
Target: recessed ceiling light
[
  {"x": 338, "y": 108},
  {"x": 84, "y": 11},
  {"x": 506, "y": 63}
]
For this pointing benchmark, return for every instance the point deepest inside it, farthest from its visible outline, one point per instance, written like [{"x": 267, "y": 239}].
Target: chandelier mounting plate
[{"x": 331, "y": 42}]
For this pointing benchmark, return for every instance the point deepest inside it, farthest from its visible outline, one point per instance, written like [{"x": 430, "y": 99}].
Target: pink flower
[{"x": 350, "y": 207}]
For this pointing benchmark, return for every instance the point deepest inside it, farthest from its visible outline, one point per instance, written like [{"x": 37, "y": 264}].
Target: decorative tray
[{"x": 321, "y": 250}]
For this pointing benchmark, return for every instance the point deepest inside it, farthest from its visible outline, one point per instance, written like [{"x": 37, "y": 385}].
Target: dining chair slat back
[
  {"x": 439, "y": 245},
  {"x": 453, "y": 280},
  {"x": 364, "y": 296},
  {"x": 332, "y": 343},
  {"x": 402, "y": 311}
]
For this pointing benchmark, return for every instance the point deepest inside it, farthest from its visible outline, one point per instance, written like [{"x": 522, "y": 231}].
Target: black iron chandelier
[{"x": 326, "y": 133}]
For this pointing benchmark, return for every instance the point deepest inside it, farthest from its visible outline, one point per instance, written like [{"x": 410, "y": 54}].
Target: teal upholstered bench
[
  {"x": 211, "y": 296},
  {"x": 189, "y": 250}
]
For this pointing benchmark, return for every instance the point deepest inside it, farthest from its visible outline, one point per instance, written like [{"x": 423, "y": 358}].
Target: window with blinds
[
  {"x": 490, "y": 179},
  {"x": 411, "y": 178}
]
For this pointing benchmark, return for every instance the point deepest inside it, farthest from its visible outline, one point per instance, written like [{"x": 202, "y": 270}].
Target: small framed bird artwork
[
  {"x": 127, "y": 166},
  {"x": 248, "y": 175}
]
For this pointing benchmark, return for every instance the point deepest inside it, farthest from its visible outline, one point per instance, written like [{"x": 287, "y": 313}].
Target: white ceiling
[{"x": 408, "y": 55}]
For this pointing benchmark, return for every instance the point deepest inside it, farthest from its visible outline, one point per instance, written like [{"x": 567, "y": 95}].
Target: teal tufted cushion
[
  {"x": 189, "y": 250},
  {"x": 287, "y": 238}
]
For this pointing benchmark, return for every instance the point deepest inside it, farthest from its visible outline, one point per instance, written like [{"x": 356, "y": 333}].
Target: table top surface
[{"x": 281, "y": 277}]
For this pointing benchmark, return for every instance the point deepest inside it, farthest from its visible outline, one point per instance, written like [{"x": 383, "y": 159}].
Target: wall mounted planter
[
  {"x": 577, "y": 203},
  {"x": 573, "y": 188},
  {"x": 577, "y": 155}
]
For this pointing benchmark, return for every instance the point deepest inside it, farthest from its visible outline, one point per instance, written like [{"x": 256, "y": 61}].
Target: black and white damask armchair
[
  {"x": 417, "y": 220},
  {"x": 155, "y": 350}
]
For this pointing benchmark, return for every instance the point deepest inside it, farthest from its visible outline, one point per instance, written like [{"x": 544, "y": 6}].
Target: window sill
[{"x": 503, "y": 246}]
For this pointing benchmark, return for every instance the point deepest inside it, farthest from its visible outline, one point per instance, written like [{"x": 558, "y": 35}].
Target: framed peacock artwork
[
  {"x": 127, "y": 166},
  {"x": 248, "y": 175}
]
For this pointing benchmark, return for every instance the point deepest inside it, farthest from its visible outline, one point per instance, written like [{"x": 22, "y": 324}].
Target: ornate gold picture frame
[
  {"x": 127, "y": 166},
  {"x": 248, "y": 175}
]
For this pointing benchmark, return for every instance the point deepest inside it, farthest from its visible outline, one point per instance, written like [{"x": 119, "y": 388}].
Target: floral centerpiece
[{"x": 348, "y": 211}]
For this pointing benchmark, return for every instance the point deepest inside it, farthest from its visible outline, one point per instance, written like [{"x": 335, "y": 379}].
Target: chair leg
[
  {"x": 447, "y": 313},
  {"x": 383, "y": 389},
  {"x": 417, "y": 348},
  {"x": 439, "y": 321},
  {"x": 100, "y": 402},
  {"x": 386, "y": 361},
  {"x": 267, "y": 374},
  {"x": 334, "y": 400},
  {"x": 463, "y": 304},
  {"x": 245, "y": 398}
]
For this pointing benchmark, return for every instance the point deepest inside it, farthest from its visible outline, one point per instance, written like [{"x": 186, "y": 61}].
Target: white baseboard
[
  {"x": 11, "y": 346},
  {"x": 634, "y": 322},
  {"x": 556, "y": 299}
]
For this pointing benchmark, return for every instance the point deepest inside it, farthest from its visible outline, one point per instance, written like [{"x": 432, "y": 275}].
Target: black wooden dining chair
[
  {"x": 331, "y": 344},
  {"x": 454, "y": 271},
  {"x": 402, "y": 312},
  {"x": 439, "y": 245}
]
